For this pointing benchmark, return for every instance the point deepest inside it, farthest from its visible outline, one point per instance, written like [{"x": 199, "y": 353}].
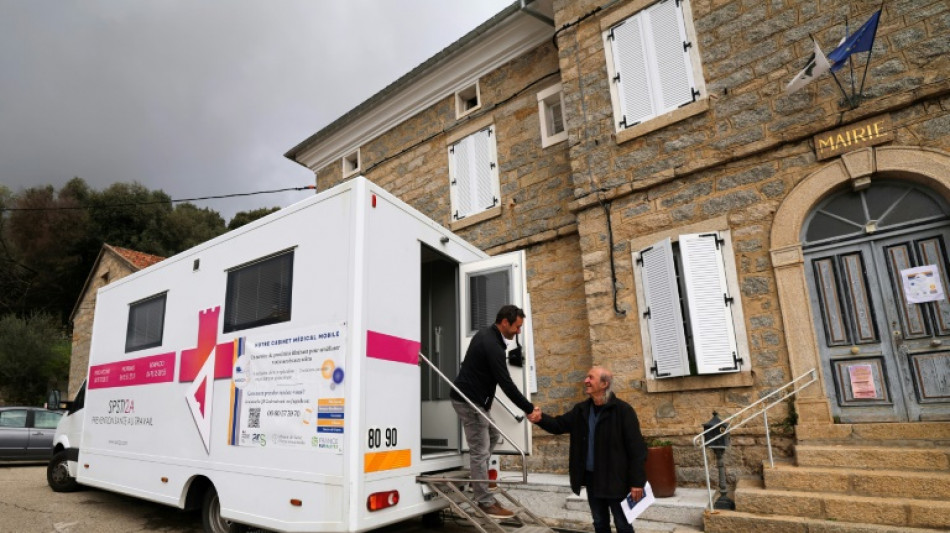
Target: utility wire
[{"x": 174, "y": 201}]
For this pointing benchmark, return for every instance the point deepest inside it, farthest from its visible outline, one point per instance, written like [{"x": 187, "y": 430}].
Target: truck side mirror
[{"x": 53, "y": 399}]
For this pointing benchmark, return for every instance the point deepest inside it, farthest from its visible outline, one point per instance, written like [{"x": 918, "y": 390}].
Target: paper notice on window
[
  {"x": 922, "y": 284},
  {"x": 862, "y": 382},
  {"x": 633, "y": 509}
]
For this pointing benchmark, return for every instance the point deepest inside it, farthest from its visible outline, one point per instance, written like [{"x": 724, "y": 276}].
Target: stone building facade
[
  {"x": 741, "y": 160},
  {"x": 113, "y": 263}
]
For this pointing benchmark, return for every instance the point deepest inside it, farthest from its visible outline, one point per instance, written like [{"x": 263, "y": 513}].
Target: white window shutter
[
  {"x": 710, "y": 305},
  {"x": 473, "y": 174},
  {"x": 666, "y": 31},
  {"x": 462, "y": 177},
  {"x": 484, "y": 167},
  {"x": 631, "y": 72},
  {"x": 664, "y": 317}
]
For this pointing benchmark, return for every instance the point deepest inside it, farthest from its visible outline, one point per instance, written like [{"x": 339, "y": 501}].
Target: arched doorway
[
  {"x": 798, "y": 290},
  {"x": 869, "y": 254}
]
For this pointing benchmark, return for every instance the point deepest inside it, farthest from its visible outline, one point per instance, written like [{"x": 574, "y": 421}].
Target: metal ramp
[{"x": 451, "y": 486}]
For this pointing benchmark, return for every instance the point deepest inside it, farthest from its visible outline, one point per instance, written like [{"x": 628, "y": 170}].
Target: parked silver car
[{"x": 26, "y": 433}]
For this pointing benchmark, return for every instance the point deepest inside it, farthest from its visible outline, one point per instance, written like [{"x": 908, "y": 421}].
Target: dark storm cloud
[{"x": 198, "y": 98}]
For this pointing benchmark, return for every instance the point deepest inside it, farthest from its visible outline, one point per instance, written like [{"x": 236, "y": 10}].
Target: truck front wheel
[
  {"x": 57, "y": 474},
  {"x": 211, "y": 517}
]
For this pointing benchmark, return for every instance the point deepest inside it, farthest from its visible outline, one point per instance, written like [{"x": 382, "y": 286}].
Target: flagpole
[
  {"x": 835, "y": 77},
  {"x": 847, "y": 32},
  {"x": 867, "y": 63},
  {"x": 843, "y": 93}
]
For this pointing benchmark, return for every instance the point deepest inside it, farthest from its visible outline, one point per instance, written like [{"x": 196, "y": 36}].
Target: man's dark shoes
[{"x": 495, "y": 511}]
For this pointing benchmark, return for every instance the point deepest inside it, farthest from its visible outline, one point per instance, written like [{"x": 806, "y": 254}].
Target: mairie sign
[{"x": 870, "y": 132}]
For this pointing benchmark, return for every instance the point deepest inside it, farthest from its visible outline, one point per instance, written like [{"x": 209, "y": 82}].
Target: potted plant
[{"x": 660, "y": 468}]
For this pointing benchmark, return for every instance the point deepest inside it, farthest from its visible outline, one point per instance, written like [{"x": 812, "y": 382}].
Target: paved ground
[{"x": 27, "y": 505}]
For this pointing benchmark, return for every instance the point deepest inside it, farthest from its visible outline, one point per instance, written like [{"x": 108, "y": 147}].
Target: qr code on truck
[{"x": 254, "y": 417}]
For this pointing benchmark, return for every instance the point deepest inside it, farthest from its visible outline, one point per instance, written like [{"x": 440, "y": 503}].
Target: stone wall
[
  {"x": 109, "y": 268},
  {"x": 739, "y": 159},
  {"x": 411, "y": 161},
  {"x": 736, "y": 159}
]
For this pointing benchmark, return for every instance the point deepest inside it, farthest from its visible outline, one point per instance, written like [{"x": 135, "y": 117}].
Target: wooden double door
[{"x": 884, "y": 358}]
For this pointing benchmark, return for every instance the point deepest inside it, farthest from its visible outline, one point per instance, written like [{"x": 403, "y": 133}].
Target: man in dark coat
[
  {"x": 607, "y": 452},
  {"x": 483, "y": 369}
]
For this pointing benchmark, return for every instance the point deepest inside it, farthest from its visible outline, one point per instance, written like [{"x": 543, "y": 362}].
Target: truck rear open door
[{"x": 485, "y": 286}]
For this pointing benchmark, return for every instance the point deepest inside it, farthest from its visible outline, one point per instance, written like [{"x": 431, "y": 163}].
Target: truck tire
[
  {"x": 57, "y": 474},
  {"x": 211, "y": 517}
]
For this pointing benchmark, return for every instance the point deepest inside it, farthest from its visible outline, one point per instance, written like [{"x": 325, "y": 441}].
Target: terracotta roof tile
[{"x": 139, "y": 259}]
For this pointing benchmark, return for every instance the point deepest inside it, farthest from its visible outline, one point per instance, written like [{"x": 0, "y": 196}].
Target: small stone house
[
  {"x": 700, "y": 231},
  {"x": 112, "y": 263}
]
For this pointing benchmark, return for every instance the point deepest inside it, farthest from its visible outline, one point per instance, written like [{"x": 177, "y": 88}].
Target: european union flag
[{"x": 859, "y": 41}]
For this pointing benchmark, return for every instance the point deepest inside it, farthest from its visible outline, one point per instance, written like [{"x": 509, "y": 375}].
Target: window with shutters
[
  {"x": 146, "y": 323},
  {"x": 653, "y": 63},
  {"x": 473, "y": 174},
  {"x": 259, "y": 293},
  {"x": 690, "y": 314}
]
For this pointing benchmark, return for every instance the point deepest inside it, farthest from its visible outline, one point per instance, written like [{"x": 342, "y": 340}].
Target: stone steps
[
  {"x": 873, "y": 457},
  {"x": 859, "y": 482},
  {"x": 923, "y": 434},
  {"x": 735, "y": 522},
  {"x": 849, "y": 478},
  {"x": 751, "y": 497}
]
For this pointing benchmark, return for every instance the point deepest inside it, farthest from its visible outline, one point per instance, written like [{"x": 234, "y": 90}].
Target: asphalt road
[{"x": 28, "y": 505}]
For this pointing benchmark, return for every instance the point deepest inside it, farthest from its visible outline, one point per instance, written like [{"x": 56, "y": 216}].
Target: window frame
[
  {"x": 462, "y": 97},
  {"x": 740, "y": 378},
  {"x": 352, "y": 163},
  {"x": 693, "y": 70},
  {"x": 231, "y": 325},
  {"x": 545, "y": 111},
  {"x": 129, "y": 347}
]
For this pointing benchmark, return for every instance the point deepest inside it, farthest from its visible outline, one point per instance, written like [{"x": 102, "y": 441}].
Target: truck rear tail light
[{"x": 382, "y": 500}]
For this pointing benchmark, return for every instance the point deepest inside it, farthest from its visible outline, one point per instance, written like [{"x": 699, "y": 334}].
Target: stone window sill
[
  {"x": 471, "y": 220},
  {"x": 683, "y": 113},
  {"x": 719, "y": 381}
]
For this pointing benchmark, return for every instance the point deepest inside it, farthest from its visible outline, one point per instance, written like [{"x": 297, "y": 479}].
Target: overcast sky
[{"x": 199, "y": 98}]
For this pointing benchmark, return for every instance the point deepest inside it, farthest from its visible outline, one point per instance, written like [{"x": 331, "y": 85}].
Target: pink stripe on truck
[{"x": 390, "y": 348}]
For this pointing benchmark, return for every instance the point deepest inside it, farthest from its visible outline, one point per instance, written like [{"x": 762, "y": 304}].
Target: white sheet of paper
[
  {"x": 632, "y": 511},
  {"x": 922, "y": 284}
]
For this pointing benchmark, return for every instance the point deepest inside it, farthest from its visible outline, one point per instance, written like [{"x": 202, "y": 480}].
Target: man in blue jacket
[
  {"x": 607, "y": 451},
  {"x": 483, "y": 369}
]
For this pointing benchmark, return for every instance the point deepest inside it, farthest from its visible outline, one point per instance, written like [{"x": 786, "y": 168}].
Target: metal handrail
[
  {"x": 728, "y": 427},
  {"x": 524, "y": 461}
]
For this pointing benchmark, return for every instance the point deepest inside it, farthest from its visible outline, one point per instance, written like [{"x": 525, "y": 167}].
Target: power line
[{"x": 174, "y": 201}]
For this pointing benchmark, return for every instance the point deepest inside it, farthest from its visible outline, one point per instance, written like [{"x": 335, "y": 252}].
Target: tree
[
  {"x": 42, "y": 249},
  {"x": 131, "y": 216},
  {"x": 34, "y": 357},
  {"x": 189, "y": 226},
  {"x": 246, "y": 217}
]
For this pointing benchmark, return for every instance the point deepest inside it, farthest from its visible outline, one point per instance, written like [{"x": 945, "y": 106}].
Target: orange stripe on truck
[{"x": 391, "y": 460}]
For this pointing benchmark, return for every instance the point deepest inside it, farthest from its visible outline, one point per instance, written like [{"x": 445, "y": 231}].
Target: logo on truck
[{"x": 199, "y": 368}]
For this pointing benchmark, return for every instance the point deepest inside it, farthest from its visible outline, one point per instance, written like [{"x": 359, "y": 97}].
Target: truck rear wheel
[
  {"x": 57, "y": 474},
  {"x": 211, "y": 517}
]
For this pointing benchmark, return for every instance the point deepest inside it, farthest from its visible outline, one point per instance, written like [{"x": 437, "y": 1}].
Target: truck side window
[
  {"x": 146, "y": 323},
  {"x": 259, "y": 293}
]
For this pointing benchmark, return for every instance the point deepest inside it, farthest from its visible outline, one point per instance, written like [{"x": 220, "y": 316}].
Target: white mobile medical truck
[{"x": 272, "y": 377}]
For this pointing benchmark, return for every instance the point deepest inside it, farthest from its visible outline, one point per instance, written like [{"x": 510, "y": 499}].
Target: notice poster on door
[
  {"x": 862, "y": 382},
  {"x": 922, "y": 284}
]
